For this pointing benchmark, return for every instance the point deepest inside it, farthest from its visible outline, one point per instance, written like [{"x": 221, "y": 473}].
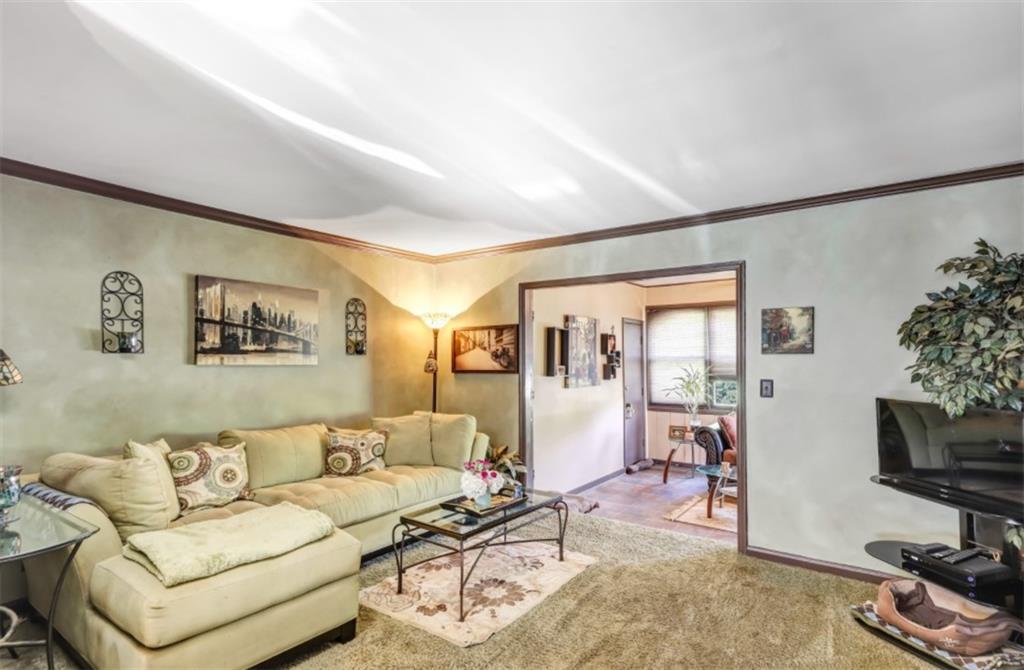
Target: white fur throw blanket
[{"x": 206, "y": 548}]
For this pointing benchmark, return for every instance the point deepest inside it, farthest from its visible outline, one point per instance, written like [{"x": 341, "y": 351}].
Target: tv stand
[
  {"x": 1009, "y": 597},
  {"x": 1006, "y": 597}
]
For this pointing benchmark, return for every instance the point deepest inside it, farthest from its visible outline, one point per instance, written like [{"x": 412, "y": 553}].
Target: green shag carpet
[{"x": 656, "y": 599}]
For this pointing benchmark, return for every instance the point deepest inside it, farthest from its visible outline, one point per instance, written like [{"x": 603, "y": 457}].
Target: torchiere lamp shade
[{"x": 9, "y": 373}]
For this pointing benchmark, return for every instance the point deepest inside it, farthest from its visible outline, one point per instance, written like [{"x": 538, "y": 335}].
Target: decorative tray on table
[{"x": 499, "y": 502}]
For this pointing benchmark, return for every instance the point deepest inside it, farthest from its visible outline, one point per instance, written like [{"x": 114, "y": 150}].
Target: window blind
[
  {"x": 722, "y": 341},
  {"x": 680, "y": 337},
  {"x": 676, "y": 338}
]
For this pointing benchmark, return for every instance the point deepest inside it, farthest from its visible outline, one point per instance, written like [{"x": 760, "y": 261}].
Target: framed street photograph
[{"x": 486, "y": 349}]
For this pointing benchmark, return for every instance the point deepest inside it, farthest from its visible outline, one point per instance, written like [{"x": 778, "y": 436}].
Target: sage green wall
[
  {"x": 809, "y": 450},
  {"x": 57, "y": 244}
]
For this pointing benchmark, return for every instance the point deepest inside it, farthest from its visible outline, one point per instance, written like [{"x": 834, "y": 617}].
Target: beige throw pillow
[
  {"x": 353, "y": 452},
  {"x": 451, "y": 438},
  {"x": 408, "y": 439},
  {"x": 157, "y": 452},
  {"x": 208, "y": 476},
  {"x": 129, "y": 491}
]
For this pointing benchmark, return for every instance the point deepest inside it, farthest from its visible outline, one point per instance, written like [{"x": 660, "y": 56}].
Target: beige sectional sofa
[{"x": 115, "y": 614}]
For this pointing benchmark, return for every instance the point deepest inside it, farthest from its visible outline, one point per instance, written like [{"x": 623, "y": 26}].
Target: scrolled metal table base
[{"x": 561, "y": 508}]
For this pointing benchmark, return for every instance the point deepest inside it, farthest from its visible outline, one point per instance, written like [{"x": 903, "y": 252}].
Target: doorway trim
[
  {"x": 526, "y": 358},
  {"x": 643, "y": 380}
]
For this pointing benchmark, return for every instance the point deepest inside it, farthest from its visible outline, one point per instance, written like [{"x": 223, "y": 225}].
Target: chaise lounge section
[{"x": 115, "y": 613}]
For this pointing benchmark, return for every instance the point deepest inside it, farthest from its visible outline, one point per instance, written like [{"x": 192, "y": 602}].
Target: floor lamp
[{"x": 435, "y": 321}]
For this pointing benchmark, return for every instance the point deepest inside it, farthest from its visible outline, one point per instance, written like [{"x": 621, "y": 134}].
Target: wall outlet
[{"x": 767, "y": 388}]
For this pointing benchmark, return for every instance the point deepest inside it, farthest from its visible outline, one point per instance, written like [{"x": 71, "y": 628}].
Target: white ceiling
[{"x": 445, "y": 127}]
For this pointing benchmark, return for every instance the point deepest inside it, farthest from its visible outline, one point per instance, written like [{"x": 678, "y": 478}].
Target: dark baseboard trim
[
  {"x": 45, "y": 175},
  {"x": 840, "y": 569},
  {"x": 13, "y": 168},
  {"x": 599, "y": 480}
]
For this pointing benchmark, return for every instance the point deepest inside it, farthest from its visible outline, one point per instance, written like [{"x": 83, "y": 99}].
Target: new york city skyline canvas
[{"x": 241, "y": 322}]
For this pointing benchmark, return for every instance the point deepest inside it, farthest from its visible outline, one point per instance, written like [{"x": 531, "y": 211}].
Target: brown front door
[{"x": 634, "y": 408}]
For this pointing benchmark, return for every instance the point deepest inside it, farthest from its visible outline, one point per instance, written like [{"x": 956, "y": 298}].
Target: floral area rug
[
  {"x": 507, "y": 583},
  {"x": 694, "y": 510}
]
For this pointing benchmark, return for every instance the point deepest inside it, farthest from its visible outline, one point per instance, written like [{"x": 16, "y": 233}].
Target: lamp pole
[
  {"x": 435, "y": 321},
  {"x": 433, "y": 405}
]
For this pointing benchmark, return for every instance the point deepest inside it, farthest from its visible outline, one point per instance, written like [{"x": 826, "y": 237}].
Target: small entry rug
[
  {"x": 507, "y": 583},
  {"x": 694, "y": 510}
]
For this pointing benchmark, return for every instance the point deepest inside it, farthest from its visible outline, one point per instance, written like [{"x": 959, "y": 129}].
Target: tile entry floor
[{"x": 641, "y": 498}]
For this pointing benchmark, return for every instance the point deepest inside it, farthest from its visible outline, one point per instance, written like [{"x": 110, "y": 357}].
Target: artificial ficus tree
[{"x": 970, "y": 339}]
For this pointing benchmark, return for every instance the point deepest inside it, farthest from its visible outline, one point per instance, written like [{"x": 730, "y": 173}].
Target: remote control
[
  {"x": 943, "y": 554},
  {"x": 961, "y": 556},
  {"x": 933, "y": 548}
]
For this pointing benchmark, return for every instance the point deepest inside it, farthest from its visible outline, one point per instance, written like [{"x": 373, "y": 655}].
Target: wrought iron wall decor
[
  {"x": 121, "y": 313},
  {"x": 355, "y": 327}
]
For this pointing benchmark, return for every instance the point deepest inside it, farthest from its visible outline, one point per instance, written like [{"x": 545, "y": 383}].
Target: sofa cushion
[
  {"x": 451, "y": 438},
  {"x": 157, "y": 452},
  {"x": 281, "y": 455},
  {"x": 418, "y": 483},
  {"x": 408, "y": 439},
  {"x": 208, "y": 476},
  {"x": 346, "y": 500},
  {"x": 229, "y": 510},
  {"x": 128, "y": 490},
  {"x": 132, "y": 598},
  {"x": 728, "y": 424}
]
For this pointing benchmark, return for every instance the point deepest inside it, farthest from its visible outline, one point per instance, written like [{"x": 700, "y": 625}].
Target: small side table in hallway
[{"x": 676, "y": 443}]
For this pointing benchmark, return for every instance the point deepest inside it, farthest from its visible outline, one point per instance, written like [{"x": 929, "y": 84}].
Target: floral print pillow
[
  {"x": 208, "y": 476},
  {"x": 353, "y": 452}
]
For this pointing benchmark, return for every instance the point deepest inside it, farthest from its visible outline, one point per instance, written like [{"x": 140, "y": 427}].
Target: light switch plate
[{"x": 767, "y": 388}]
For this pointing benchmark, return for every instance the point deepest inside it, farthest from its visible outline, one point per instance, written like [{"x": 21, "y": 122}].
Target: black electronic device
[
  {"x": 974, "y": 462},
  {"x": 970, "y": 568}
]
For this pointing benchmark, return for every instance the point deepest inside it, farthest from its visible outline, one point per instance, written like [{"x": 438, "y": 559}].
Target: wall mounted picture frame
[
  {"x": 240, "y": 322},
  {"x": 581, "y": 366},
  {"x": 486, "y": 349},
  {"x": 787, "y": 330},
  {"x": 678, "y": 432}
]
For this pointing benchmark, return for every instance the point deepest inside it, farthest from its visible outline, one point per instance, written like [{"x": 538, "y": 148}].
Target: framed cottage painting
[
  {"x": 787, "y": 330},
  {"x": 486, "y": 349},
  {"x": 581, "y": 363},
  {"x": 248, "y": 323}
]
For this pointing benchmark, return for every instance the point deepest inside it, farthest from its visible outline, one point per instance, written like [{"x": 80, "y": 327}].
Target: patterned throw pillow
[
  {"x": 353, "y": 452},
  {"x": 208, "y": 476}
]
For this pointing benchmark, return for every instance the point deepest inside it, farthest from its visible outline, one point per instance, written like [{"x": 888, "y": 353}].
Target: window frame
[{"x": 706, "y": 408}]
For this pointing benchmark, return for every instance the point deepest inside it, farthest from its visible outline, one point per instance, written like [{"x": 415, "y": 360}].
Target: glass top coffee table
[
  {"x": 37, "y": 529},
  {"x": 461, "y": 533},
  {"x": 723, "y": 475}
]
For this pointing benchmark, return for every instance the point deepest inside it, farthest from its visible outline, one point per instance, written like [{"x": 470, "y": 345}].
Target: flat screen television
[{"x": 974, "y": 462}]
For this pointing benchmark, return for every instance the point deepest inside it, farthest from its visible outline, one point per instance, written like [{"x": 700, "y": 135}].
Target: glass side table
[
  {"x": 676, "y": 443},
  {"x": 39, "y": 529},
  {"x": 723, "y": 475}
]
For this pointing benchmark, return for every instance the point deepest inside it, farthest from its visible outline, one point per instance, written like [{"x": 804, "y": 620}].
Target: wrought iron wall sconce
[
  {"x": 355, "y": 327},
  {"x": 121, "y": 313}
]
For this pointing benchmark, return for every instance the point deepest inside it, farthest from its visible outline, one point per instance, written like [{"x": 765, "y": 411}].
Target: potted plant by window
[{"x": 691, "y": 387}]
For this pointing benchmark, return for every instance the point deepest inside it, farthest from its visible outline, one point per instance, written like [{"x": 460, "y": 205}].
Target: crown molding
[
  {"x": 75, "y": 182},
  {"x": 15, "y": 168},
  {"x": 1004, "y": 171}
]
